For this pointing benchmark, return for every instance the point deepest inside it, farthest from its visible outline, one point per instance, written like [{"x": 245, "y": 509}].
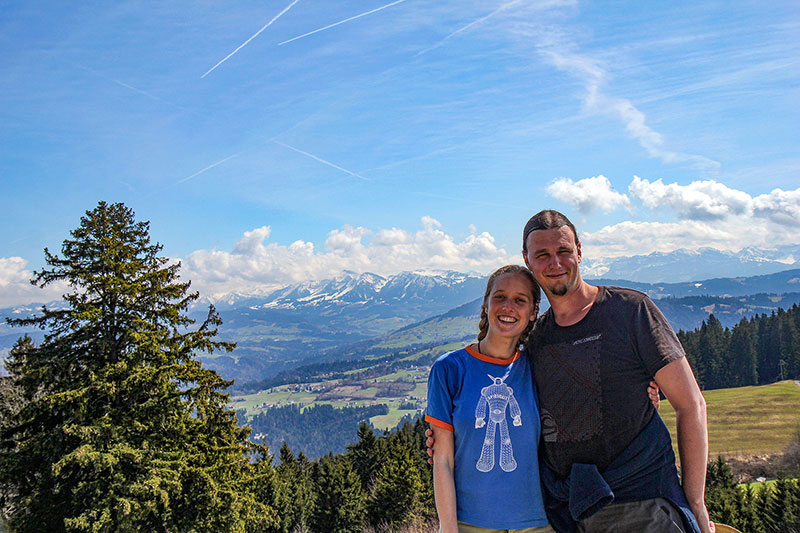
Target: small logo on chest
[{"x": 587, "y": 339}]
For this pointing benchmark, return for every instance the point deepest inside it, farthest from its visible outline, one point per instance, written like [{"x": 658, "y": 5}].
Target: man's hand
[
  {"x": 429, "y": 443},
  {"x": 701, "y": 514}
]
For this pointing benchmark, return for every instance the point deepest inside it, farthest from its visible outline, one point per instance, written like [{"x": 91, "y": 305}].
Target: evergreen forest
[
  {"x": 111, "y": 423},
  {"x": 756, "y": 351}
]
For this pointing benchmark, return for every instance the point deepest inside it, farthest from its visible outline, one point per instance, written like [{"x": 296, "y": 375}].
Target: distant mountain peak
[{"x": 685, "y": 265}]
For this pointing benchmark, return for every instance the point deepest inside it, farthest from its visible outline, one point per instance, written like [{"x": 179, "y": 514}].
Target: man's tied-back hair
[{"x": 546, "y": 219}]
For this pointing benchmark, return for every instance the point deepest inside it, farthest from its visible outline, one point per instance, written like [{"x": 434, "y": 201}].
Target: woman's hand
[{"x": 653, "y": 393}]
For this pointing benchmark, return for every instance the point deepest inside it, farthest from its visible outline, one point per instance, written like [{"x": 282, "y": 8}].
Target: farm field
[
  {"x": 743, "y": 421},
  {"x": 748, "y": 420}
]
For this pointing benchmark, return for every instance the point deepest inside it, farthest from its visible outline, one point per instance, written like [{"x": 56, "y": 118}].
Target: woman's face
[{"x": 509, "y": 307}]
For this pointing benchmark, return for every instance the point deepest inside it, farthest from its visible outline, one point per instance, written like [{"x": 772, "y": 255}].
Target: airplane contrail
[
  {"x": 340, "y": 22},
  {"x": 209, "y": 167},
  {"x": 468, "y": 26},
  {"x": 267, "y": 25},
  {"x": 312, "y": 156},
  {"x": 132, "y": 88}
]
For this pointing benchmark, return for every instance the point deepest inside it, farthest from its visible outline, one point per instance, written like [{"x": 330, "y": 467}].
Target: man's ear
[
  {"x": 580, "y": 254},
  {"x": 525, "y": 258}
]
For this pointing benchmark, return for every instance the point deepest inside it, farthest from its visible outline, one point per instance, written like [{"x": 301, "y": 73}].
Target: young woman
[{"x": 484, "y": 412}]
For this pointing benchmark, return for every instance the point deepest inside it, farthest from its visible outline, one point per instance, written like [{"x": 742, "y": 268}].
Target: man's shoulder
[{"x": 623, "y": 295}]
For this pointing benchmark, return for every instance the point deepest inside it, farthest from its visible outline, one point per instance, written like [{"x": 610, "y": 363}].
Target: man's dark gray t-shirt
[{"x": 592, "y": 377}]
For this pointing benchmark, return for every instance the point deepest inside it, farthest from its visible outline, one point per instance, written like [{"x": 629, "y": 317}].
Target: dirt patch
[{"x": 747, "y": 469}]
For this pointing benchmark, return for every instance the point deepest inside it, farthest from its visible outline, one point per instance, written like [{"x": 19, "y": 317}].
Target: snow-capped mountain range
[
  {"x": 692, "y": 265},
  {"x": 351, "y": 290}
]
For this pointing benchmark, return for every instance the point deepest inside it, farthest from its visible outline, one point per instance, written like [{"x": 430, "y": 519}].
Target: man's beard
[{"x": 559, "y": 290}]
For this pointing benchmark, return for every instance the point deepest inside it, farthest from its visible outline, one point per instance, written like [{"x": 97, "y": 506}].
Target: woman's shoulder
[
  {"x": 453, "y": 361},
  {"x": 451, "y": 357}
]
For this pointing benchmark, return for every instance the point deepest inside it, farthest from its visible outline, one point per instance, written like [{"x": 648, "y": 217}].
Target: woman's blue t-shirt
[{"x": 491, "y": 406}]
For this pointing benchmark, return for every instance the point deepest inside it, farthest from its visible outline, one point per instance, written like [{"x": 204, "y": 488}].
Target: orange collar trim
[{"x": 494, "y": 360}]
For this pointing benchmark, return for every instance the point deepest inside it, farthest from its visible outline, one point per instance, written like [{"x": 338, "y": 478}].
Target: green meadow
[{"x": 748, "y": 420}]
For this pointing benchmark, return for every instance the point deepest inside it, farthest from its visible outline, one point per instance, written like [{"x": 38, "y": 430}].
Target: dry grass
[
  {"x": 416, "y": 527},
  {"x": 748, "y": 420}
]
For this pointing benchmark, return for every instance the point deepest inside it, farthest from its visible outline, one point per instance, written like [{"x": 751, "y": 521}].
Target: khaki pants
[{"x": 467, "y": 528}]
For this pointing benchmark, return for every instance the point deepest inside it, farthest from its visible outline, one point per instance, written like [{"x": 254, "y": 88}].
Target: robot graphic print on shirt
[{"x": 497, "y": 397}]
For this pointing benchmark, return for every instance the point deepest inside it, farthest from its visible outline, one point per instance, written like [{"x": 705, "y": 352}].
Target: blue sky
[{"x": 275, "y": 141}]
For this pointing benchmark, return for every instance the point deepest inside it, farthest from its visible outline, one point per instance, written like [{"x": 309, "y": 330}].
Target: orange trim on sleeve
[
  {"x": 438, "y": 423},
  {"x": 477, "y": 355}
]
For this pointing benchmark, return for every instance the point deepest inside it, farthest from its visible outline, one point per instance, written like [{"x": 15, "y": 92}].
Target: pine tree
[
  {"x": 769, "y": 349},
  {"x": 294, "y": 491},
  {"x": 712, "y": 349},
  {"x": 689, "y": 341},
  {"x": 773, "y": 517},
  {"x": 746, "y": 512},
  {"x": 790, "y": 347},
  {"x": 365, "y": 455},
  {"x": 398, "y": 491},
  {"x": 12, "y": 397},
  {"x": 123, "y": 429},
  {"x": 719, "y": 474},
  {"x": 340, "y": 505},
  {"x": 744, "y": 361},
  {"x": 721, "y": 492},
  {"x": 761, "y": 503}
]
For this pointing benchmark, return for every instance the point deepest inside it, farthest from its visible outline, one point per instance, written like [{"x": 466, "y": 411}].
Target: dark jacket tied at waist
[{"x": 644, "y": 470}]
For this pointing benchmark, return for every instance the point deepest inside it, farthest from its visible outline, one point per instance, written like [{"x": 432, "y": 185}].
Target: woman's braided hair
[{"x": 536, "y": 295}]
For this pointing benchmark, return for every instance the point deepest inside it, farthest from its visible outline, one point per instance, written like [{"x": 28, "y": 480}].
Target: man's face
[{"x": 553, "y": 257}]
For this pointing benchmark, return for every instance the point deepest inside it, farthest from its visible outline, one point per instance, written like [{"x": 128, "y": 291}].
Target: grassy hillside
[
  {"x": 748, "y": 420},
  {"x": 742, "y": 421}
]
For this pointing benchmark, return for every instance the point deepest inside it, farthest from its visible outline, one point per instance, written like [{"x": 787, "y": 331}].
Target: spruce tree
[
  {"x": 769, "y": 349},
  {"x": 744, "y": 361},
  {"x": 340, "y": 504},
  {"x": 12, "y": 397},
  {"x": 746, "y": 511},
  {"x": 773, "y": 517},
  {"x": 760, "y": 504},
  {"x": 397, "y": 495},
  {"x": 294, "y": 491},
  {"x": 123, "y": 429},
  {"x": 365, "y": 455},
  {"x": 719, "y": 474},
  {"x": 790, "y": 348},
  {"x": 712, "y": 349}
]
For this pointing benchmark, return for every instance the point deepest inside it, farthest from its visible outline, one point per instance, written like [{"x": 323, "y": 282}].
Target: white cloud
[
  {"x": 703, "y": 200},
  {"x": 16, "y": 288},
  {"x": 779, "y": 206},
  {"x": 638, "y": 238},
  {"x": 588, "y": 194},
  {"x": 712, "y": 214},
  {"x": 256, "y": 266}
]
